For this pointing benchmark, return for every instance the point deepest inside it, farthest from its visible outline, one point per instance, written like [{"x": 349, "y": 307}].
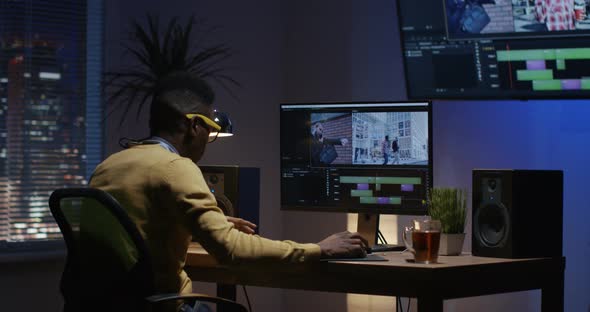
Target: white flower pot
[{"x": 451, "y": 244}]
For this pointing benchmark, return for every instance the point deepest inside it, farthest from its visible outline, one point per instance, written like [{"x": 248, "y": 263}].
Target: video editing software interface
[
  {"x": 496, "y": 48},
  {"x": 356, "y": 157}
]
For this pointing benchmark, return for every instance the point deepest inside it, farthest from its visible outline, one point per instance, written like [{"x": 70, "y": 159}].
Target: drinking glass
[{"x": 425, "y": 240}]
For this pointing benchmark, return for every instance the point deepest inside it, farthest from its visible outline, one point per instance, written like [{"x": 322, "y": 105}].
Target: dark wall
[
  {"x": 346, "y": 50},
  {"x": 525, "y": 135},
  {"x": 350, "y": 52},
  {"x": 28, "y": 284},
  {"x": 254, "y": 32}
]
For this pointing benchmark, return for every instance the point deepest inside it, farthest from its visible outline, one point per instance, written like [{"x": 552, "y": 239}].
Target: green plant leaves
[
  {"x": 158, "y": 52},
  {"x": 449, "y": 206}
]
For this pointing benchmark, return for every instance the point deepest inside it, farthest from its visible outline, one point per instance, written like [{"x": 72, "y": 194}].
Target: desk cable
[
  {"x": 247, "y": 298},
  {"x": 399, "y": 306},
  {"x": 381, "y": 237}
]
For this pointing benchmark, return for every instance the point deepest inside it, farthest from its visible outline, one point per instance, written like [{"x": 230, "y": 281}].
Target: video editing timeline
[
  {"x": 378, "y": 190},
  {"x": 528, "y": 60},
  {"x": 548, "y": 69},
  {"x": 343, "y": 189}
]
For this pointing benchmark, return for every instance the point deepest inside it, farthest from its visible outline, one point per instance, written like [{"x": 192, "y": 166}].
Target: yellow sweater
[{"x": 170, "y": 202}]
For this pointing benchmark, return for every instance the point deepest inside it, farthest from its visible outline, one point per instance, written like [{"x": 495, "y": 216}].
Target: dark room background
[{"x": 345, "y": 50}]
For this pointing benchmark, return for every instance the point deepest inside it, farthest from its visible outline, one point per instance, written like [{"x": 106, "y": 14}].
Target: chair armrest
[{"x": 160, "y": 298}]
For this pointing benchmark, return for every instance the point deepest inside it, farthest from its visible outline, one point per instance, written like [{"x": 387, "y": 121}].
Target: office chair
[{"x": 108, "y": 266}]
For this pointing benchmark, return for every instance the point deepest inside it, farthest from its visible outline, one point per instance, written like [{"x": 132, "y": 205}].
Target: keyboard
[
  {"x": 387, "y": 247},
  {"x": 369, "y": 257}
]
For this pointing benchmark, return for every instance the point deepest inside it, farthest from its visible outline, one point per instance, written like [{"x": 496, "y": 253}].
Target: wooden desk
[{"x": 453, "y": 277}]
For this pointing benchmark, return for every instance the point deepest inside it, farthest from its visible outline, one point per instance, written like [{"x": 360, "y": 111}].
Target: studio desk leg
[
  {"x": 552, "y": 293},
  {"x": 430, "y": 304},
  {"x": 226, "y": 291}
]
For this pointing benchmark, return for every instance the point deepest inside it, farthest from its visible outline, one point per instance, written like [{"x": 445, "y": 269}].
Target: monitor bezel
[{"x": 364, "y": 210}]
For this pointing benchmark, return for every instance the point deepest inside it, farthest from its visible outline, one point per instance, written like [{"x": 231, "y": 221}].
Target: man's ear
[{"x": 193, "y": 127}]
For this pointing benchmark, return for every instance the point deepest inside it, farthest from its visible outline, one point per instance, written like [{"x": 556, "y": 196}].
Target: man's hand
[
  {"x": 344, "y": 245},
  {"x": 242, "y": 225},
  {"x": 344, "y": 141}
]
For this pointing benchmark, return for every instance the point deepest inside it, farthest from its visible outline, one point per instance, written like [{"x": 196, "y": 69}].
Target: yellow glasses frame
[
  {"x": 214, "y": 126},
  {"x": 205, "y": 119}
]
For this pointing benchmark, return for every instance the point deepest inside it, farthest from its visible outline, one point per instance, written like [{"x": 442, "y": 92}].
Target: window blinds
[{"x": 50, "y": 109}]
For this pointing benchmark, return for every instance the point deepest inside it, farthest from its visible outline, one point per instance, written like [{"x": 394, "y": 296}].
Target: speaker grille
[
  {"x": 492, "y": 225},
  {"x": 225, "y": 205},
  {"x": 216, "y": 182}
]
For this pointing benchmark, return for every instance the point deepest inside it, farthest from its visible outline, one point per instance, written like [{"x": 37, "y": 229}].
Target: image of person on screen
[
  {"x": 385, "y": 148},
  {"x": 467, "y": 16},
  {"x": 323, "y": 151},
  {"x": 455, "y": 10},
  {"x": 556, "y": 14},
  {"x": 395, "y": 150}
]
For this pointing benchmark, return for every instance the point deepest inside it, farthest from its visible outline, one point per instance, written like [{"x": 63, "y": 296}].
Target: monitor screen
[
  {"x": 478, "y": 49},
  {"x": 356, "y": 157}
]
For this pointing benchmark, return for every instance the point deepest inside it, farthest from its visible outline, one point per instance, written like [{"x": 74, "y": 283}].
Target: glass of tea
[{"x": 425, "y": 240}]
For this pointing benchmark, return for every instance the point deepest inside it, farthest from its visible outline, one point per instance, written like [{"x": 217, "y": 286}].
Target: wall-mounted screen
[{"x": 496, "y": 48}]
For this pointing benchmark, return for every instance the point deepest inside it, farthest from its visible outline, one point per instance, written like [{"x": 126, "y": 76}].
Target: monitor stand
[{"x": 368, "y": 226}]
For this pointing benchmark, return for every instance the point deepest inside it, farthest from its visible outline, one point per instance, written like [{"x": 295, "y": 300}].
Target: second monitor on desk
[{"x": 366, "y": 158}]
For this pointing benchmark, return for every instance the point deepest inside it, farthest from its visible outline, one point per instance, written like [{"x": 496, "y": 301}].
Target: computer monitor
[
  {"x": 478, "y": 49},
  {"x": 369, "y": 158}
]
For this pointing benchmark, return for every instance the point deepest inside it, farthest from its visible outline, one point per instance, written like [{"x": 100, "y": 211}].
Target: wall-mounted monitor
[
  {"x": 480, "y": 49},
  {"x": 356, "y": 157}
]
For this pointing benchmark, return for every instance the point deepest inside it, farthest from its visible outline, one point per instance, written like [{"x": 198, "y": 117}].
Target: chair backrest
[{"x": 108, "y": 267}]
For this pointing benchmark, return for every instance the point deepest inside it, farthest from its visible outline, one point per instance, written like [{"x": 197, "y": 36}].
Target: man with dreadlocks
[{"x": 160, "y": 186}]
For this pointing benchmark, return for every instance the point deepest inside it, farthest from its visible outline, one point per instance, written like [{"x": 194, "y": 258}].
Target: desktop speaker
[
  {"x": 236, "y": 189},
  {"x": 517, "y": 213}
]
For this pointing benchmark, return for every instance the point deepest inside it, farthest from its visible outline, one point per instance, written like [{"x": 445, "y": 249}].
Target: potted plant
[
  {"x": 449, "y": 206},
  {"x": 156, "y": 51}
]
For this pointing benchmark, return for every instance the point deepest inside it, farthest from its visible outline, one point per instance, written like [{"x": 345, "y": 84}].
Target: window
[{"x": 50, "y": 109}]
